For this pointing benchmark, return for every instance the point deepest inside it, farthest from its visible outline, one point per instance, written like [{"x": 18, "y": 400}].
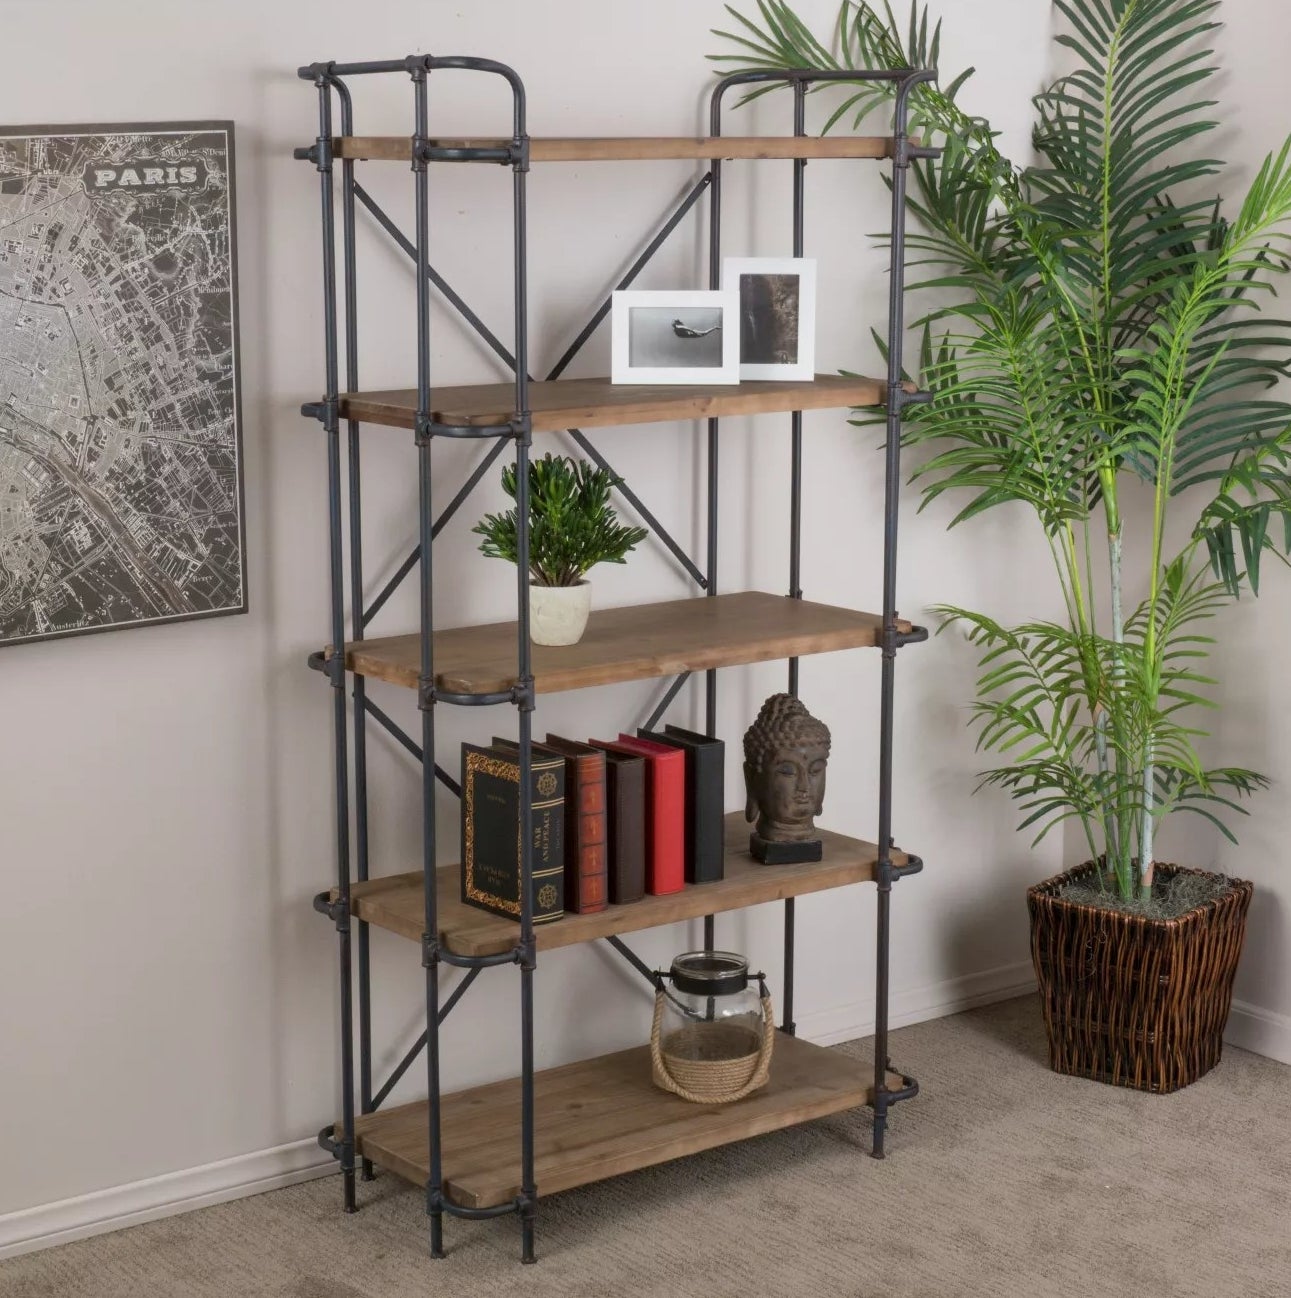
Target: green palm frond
[{"x": 1090, "y": 319}]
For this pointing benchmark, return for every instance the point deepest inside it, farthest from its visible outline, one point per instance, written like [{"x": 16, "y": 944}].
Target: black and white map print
[{"x": 120, "y": 445}]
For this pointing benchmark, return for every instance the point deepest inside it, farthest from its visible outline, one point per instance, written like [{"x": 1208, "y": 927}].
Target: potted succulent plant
[
  {"x": 1098, "y": 356},
  {"x": 572, "y": 527}
]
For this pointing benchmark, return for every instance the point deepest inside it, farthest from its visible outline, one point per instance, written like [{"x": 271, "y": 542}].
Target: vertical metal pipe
[
  {"x": 426, "y": 683},
  {"x": 795, "y": 452},
  {"x": 528, "y": 958},
  {"x": 714, "y": 281},
  {"x": 361, "y": 864},
  {"x": 336, "y": 664},
  {"x": 891, "y": 500},
  {"x": 786, "y": 999},
  {"x": 795, "y": 515},
  {"x": 710, "y": 567}
]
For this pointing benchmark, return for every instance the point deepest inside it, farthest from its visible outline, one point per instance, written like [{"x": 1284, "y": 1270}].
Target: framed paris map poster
[{"x": 120, "y": 429}]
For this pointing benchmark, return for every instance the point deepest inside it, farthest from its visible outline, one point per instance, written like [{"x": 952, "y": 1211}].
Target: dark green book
[{"x": 491, "y": 833}]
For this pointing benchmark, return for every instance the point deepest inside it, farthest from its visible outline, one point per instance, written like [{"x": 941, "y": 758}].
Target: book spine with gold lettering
[{"x": 491, "y": 833}]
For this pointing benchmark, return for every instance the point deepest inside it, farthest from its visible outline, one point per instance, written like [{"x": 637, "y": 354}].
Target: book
[
  {"x": 625, "y": 805},
  {"x": 491, "y": 833},
  {"x": 705, "y": 799},
  {"x": 586, "y": 847},
  {"x": 665, "y": 801}
]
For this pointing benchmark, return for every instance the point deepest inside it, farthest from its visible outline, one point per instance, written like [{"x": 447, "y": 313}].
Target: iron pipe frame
[{"x": 336, "y": 904}]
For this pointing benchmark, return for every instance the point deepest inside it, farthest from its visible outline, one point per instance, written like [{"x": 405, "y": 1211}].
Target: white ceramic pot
[{"x": 558, "y": 614}]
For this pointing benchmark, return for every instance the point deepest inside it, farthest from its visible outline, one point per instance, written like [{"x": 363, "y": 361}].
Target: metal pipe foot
[
  {"x": 437, "y": 1233},
  {"x": 880, "y": 1131},
  {"x": 369, "y": 1173},
  {"x": 528, "y": 1221},
  {"x": 351, "y": 1204}
]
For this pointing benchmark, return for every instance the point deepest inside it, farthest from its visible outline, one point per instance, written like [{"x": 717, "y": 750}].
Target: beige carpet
[{"x": 1002, "y": 1180}]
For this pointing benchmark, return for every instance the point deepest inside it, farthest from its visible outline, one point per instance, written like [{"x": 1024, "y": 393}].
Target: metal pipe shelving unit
[{"x": 507, "y": 414}]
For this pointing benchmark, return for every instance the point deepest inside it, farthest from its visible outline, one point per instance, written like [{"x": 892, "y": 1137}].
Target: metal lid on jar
[{"x": 710, "y": 973}]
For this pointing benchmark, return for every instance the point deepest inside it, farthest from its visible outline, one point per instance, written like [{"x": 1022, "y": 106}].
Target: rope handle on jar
[{"x": 760, "y": 1072}]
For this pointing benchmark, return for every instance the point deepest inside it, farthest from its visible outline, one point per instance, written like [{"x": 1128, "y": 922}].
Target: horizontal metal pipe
[
  {"x": 790, "y": 75},
  {"x": 435, "y": 429},
  {"x": 909, "y": 1089},
  {"x": 439, "y": 153},
  {"x": 478, "y": 961},
  {"x": 475, "y": 700},
  {"x": 481, "y": 1214},
  {"x": 453, "y": 62},
  {"x": 312, "y": 71},
  {"x": 913, "y": 865}
]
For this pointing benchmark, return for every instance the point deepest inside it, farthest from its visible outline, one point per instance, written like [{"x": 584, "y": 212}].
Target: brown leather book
[
  {"x": 587, "y": 848},
  {"x": 625, "y": 803},
  {"x": 586, "y": 831}
]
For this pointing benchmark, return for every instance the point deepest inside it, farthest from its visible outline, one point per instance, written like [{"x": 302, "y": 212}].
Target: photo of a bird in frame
[{"x": 683, "y": 330}]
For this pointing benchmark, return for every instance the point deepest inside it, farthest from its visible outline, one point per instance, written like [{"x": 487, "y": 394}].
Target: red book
[{"x": 665, "y": 812}]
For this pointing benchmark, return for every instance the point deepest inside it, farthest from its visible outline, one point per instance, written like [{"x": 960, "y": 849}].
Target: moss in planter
[{"x": 1173, "y": 895}]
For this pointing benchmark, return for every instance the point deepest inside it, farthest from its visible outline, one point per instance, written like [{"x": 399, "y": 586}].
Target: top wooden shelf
[
  {"x": 598, "y": 403},
  {"x": 398, "y": 148}
]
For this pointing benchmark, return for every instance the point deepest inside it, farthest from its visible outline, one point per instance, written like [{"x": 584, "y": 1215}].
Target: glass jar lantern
[{"x": 713, "y": 1030}]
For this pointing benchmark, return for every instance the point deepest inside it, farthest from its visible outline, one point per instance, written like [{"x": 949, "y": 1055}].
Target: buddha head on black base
[{"x": 786, "y": 751}]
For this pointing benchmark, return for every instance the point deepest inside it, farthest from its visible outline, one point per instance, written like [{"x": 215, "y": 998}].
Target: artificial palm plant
[{"x": 1104, "y": 329}]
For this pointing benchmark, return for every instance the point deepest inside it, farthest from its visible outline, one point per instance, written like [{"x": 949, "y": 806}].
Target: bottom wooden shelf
[{"x": 599, "y": 1118}]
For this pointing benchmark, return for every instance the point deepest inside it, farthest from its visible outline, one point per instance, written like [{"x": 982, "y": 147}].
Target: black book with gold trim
[{"x": 491, "y": 832}]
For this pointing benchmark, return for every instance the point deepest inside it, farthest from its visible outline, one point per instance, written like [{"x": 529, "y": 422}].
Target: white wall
[
  {"x": 170, "y": 997},
  {"x": 1250, "y": 729}
]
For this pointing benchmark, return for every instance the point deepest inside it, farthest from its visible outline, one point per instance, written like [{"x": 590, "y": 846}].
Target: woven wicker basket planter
[{"x": 1135, "y": 1001}]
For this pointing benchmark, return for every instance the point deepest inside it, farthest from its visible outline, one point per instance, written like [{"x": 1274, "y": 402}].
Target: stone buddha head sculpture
[{"x": 786, "y": 751}]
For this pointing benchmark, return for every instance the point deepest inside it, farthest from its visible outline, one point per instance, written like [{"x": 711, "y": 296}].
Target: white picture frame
[
  {"x": 749, "y": 278},
  {"x": 652, "y": 332}
]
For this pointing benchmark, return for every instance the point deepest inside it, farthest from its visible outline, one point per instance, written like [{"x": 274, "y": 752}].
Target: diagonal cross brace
[{"x": 498, "y": 347}]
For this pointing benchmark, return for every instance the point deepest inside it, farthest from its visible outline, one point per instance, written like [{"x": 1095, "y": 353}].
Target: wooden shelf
[
  {"x": 398, "y": 904},
  {"x": 633, "y": 643},
  {"x": 598, "y": 403},
  {"x": 600, "y": 1118},
  {"x": 398, "y": 148}
]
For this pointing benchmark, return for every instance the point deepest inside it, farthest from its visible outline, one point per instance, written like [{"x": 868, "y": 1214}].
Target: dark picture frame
[{"x": 122, "y": 499}]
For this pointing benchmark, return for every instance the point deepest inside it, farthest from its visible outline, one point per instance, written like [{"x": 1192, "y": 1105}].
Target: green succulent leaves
[{"x": 572, "y": 526}]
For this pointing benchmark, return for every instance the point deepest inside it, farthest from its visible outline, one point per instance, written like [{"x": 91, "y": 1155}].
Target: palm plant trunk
[
  {"x": 1118, "y": 838},
  {"x": 1146, "y": 863}
]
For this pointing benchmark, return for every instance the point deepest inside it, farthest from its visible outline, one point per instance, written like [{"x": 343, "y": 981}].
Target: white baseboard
[
  {"x": 934, "y": 1001},
  {"x": 1249, "y": 1027},
  {"x": 1259, "y": 1030},
  {"x": 270, "y": 1169},
  {"x": 161, "y": 1196}
]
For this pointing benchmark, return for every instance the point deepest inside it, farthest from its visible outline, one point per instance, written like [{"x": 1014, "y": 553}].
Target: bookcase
[{"x": 489, "y": 1151}]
